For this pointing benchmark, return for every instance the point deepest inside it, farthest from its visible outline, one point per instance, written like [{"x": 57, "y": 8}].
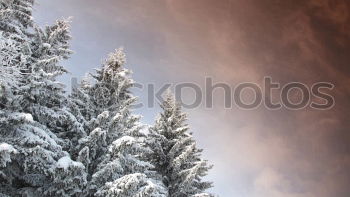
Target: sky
[{"x": 255, "y": 153}]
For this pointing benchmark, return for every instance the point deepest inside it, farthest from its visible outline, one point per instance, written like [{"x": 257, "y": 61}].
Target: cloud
[
  {"x": 270, "y": 183},
  {"x": 336, "y": 11}
]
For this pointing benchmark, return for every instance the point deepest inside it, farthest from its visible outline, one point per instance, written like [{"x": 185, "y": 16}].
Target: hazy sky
[{"x": 256, "y": 153}]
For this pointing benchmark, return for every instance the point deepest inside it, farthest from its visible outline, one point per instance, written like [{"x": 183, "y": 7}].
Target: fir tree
[
  {"x": 175, "y": 155},
  {"x": 97, "y": 107},
  {"x": 45, "y": 96},
  {"x": 113, "y": 150},
  {"x": 30, "y": 149}
]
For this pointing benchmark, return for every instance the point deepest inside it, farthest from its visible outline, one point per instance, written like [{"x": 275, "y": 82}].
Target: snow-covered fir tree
[
  {"x": 46, "y": 99},
  {"x": 175, "y": 155},
  {"x": 113, "y": 150},
  {"x": 29, "y": 149}
]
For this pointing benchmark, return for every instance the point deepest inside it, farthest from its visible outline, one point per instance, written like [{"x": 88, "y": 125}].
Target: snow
[
  {"x": 136, "y": 184},
  {"x": 28, "y": 117},
  {"x": 24, "y": 116},
  {"x": 124, "y": 140},
  {"x": 47, "y": 45},
  {"x": 66, "y": 162},
  {"x": 202, "y": 195},
  {"x": 4, "y": 147},
  {"x": 117, "y": 117},
  {"x": 96, "y": 131},
  {"x": 5, "y": 154},
  {"x": 103, "y": 115},
  {"x": 145, "y": 129}
]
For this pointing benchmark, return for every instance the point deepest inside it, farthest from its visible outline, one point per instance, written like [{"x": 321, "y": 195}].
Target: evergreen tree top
[
  {"x": 116, "y": 60},
  {"x": 171, "y": 120},
  {"x": 174, "y": 152}
]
